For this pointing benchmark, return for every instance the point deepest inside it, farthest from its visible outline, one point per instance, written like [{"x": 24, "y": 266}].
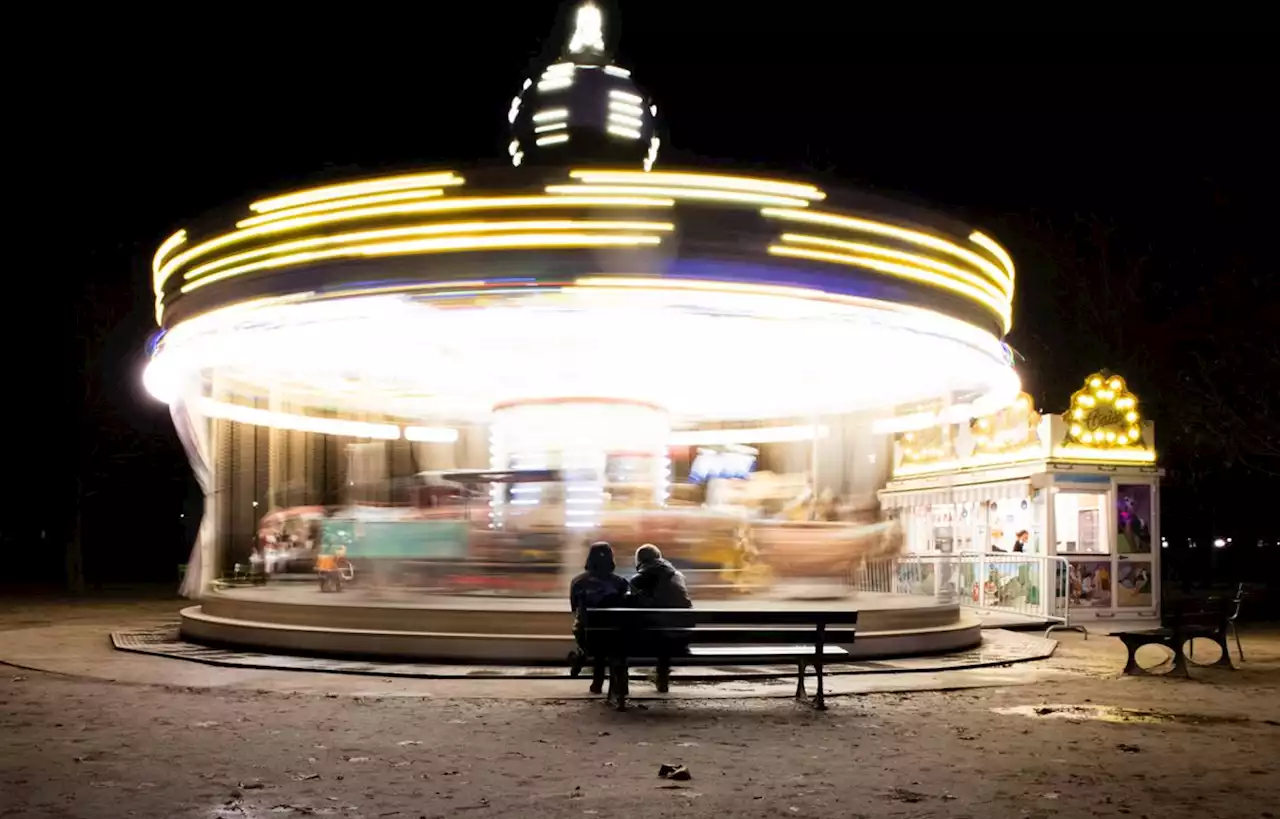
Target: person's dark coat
[
  {"x": 597, "y": 587},
  {"x": 659, "y": 585}
]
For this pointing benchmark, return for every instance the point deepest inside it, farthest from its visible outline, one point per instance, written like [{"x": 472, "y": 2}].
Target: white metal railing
[{"x": 1031, "y": 586}]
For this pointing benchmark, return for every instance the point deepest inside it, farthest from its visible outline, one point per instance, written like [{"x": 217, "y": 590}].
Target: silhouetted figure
[
  {"x": 658, "y": 584},
  {"x": 596, "y": 588}
]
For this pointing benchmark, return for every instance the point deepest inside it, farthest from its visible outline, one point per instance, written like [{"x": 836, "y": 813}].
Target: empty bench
[
  {"x": 1209, "y": 619},
  {"x": 667, "y": 638}
]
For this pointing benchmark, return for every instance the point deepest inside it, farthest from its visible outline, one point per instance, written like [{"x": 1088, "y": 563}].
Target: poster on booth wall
[
  {"x": 1134, "y": 585},
  {"x": 1133, "y": 513},
  {"x": 1089, "y": 584}
]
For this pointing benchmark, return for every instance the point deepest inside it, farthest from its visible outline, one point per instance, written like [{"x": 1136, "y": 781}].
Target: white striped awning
[{"x": 966, "y": 493}]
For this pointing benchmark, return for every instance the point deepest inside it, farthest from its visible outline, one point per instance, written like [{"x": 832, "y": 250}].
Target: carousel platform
[{"x": 409, "y": 626}]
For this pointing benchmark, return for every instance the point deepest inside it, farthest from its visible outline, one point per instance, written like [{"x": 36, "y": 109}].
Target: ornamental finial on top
[{"x": 588, "y": 30}]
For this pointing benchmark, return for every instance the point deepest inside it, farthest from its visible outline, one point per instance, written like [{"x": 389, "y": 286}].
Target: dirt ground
[{"x": 1207, "y": 748}]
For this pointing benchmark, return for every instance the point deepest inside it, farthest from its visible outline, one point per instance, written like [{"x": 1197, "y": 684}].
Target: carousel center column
[{"x": 609, "y": 453}]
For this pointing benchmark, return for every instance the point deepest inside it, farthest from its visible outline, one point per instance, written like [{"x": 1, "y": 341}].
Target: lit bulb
[
  {"x": 1076, "y": 430},
  {"x": 1095, "y": 383}
]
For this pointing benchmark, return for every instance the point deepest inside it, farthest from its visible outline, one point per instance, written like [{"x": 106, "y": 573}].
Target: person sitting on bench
[
  {"x": 658, "y": 584},
  {"x": 596, "y": 588}
]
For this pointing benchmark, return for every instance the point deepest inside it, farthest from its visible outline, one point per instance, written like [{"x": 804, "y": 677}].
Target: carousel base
[{"x": 368, "y": 624}]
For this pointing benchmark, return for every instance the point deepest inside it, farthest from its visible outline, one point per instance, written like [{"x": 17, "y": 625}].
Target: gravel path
[{"x": 85, "y": 748}]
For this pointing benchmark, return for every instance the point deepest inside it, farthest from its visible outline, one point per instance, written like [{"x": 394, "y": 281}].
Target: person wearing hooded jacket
[
  {"x": 598, "y": 587},
  {"x": 658, "y": 584}
]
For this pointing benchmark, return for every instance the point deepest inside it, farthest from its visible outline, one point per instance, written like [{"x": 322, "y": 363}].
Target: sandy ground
[{"x": 78, "y": 747}]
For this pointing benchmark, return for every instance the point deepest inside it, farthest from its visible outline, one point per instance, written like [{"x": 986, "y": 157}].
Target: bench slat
[
  {"x": 686, "y": 618},
  {"x": 730, "y": 652},
  {"x": 732, "y": 636}
]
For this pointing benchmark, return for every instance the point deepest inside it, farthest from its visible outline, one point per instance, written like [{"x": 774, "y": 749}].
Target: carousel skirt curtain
[{"x": 193, "y": 431}]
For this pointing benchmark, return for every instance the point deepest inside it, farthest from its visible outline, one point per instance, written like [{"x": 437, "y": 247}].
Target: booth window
[{"x": 1080, "y": 523}]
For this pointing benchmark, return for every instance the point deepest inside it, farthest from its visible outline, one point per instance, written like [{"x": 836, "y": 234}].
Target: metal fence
[{"x": 1027, "y": 586}]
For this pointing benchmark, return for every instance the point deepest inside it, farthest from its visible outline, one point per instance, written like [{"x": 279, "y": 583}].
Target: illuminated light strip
[
  {"x": 555, "y": 84},
  {"x": 625, "y": 108},
  {"x": 340, "y": 204},
  {"x": 431, "y": 435},
  {"x": 435, "y": 206},
  {"x": 626, "y": 121},
  {"x": 905, "y": 271},
  {"x": 444, "y": 244},
  {"x": 298, "y": 423},
  {"x": 759, "y": 435},
  {"x": 981, "y": 338},
  {"x": 984, "y": 241},
  {"x": 737, "y": 289},
  {"x": 1082, "y": 453},
  {"x": 397, "y": 288},
  {"x": 418, "y": 231},
  {"x": 616, "y": 71},
  {"x": 166, "y": 247},
  {"x": 698, "y": 180},
  {"x": 901, "y": 256},
  {"x": 560, "y": 68},
  {"x": 708, "y": 194},
  {"x": 914, "y": 237},
  {"x": 550, "y": 114},
  {"x": 551, "y": 139},
  {"x": 619, "y": 131},
  {"x": 554, "y": 126},
  {"x": 623, "y": 96},
  {"x": 349, "y": 189}
]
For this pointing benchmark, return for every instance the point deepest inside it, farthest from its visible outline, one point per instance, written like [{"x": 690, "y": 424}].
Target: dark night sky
[{"x": 1136, "y": 196}]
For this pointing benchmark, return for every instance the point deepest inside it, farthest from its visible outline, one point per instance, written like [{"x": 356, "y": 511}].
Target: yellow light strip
[
  {"x": 703, "y": 194},
  {"x": 349, "y": 189},
  {"x": 298, "y": 423},
  {"x": 1092, "y": 455},
  {"x": 905, "y": 271},
  {"x": 340, "y": 204},
  {"x": 914, "y": 237},
  {"x": 166, "y": 247},
  {"x": 901, "y": 256},
  {"x": 433, "y": 206},
  {"x": 444, "y": 244},
  {"x": 984, "y": 241},
  {"x": 699, "y": 180},
  {"x": 442, "y": 228}
]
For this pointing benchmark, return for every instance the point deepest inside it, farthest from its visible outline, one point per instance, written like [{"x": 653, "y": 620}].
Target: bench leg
[
  {"x": 1180, "y": 668},
  {"x": 1224, "y": 661},
  {"x": 800, "y": 692},
  {"x": 1131, "y": 666},
  {"x": 819, "y": 703},
  {"x": 664, "y": 675},
  {"x": 1235, "y": 632}
]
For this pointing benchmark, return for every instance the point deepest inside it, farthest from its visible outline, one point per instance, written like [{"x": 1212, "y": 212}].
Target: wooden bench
[
  {"x": 1208, "y": 618},
  {"x": 665, "y": 638}
]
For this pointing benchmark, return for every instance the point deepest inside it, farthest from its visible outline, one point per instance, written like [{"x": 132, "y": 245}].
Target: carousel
[{"x": 413, "y": 400}]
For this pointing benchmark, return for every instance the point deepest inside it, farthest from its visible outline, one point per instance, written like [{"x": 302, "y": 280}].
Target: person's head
[
  {"x": 600, "y": 558},
  {"x": 1023, "y": 535},
  {"x": 647, "y": 553}
]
